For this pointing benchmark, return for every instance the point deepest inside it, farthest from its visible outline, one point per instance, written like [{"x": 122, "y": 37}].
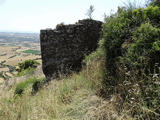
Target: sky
[{"x": 34, "y": 15}]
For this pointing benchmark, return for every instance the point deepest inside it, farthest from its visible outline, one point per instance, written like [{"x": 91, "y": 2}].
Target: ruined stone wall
[{"x": 64, "y": 48}]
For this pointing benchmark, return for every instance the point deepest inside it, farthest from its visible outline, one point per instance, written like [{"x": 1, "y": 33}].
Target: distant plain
[{"x": 16, "y": 48}]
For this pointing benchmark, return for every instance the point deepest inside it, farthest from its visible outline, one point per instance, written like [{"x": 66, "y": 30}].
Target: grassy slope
[
  {"x": 64, "y": 99},
  {"x": 71, "y": 98}
]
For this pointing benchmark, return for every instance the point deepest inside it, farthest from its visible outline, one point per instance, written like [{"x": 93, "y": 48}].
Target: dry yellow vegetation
[{"x": 68, "y": 98}]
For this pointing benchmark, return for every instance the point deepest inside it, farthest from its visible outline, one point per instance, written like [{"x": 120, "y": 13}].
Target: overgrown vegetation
[
  {"x": 27, "y": 67},
  {"x": 20, "y": 87},
  {"x": 155, "y": 2},
  {"x": 132, "y": 46}
]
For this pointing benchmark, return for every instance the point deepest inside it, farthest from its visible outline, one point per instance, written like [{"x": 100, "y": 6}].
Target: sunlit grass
[{"x": 64, "y": 99}]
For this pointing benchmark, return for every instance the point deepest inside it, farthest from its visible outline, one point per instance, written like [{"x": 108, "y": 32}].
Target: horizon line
[{"x": 16, "y": 31}]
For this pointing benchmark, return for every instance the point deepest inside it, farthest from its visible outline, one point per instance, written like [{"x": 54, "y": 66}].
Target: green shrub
[
  {"x": 25, "y": 72},
  {"x": 145, "y": 51},
  {"x": 132, "y": 51},
  {"x": 115, "y": 31},
  {"x": 20, "y": 87},
  {"x": 119, "y": 29},
  {"x": 37, "y": 84},
  {"x": 27, "y": 67},
  {"x": 27, "y": 64},
  {"x": 152, "y": 13}
]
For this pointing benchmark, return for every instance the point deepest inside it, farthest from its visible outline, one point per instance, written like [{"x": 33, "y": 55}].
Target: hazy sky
[{"x": 33, "y": 15}]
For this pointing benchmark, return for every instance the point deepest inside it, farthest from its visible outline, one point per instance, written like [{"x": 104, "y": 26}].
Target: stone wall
[{"x": 64, "y": 48}]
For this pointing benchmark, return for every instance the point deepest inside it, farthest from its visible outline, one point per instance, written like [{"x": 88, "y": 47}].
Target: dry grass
[
  {"x": 59, "y": 100},
  {"x": 70, "y": 98}
]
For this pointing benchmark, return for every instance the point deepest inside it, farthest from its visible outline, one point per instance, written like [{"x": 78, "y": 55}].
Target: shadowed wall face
[{"x": 64, "y": 48}]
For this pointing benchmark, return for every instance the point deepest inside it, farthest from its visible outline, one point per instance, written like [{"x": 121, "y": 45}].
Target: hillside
[
  {"x": 68, "y": 98},
  {"x": 118, "y": 81}
]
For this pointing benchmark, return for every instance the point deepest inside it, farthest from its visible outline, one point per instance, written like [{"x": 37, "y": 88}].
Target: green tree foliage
[
  {"x": 121, "y": 28},
  {"x": 155, "y": 2},
  {"x": 146, "y": 48},
  {"x": 132, "y": 47}
]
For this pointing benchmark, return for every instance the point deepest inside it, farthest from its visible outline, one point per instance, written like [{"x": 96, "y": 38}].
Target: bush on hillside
[
  {"x": 145, "y": 51},
  {"x": 119, "y": 31},
  {"x": 20, "y": 87},
  {"x": 27, "y": 67},
  {"x": 132, "y": 47},
  {"x": 27, "y": 64}
]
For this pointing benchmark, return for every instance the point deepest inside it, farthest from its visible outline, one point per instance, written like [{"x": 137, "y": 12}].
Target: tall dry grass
[{"x": 65, "y": 99}]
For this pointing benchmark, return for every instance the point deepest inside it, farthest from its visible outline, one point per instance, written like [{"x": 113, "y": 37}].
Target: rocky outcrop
[{"x": 64, "y": 48}]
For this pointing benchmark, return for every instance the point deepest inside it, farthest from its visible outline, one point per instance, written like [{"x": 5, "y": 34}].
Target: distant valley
[
  {"x": 15, "y": 48},
  {"x": 10, "y": 37}
]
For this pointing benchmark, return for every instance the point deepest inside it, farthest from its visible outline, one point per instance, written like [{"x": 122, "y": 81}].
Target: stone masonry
[{"x": 64, "y": 48}]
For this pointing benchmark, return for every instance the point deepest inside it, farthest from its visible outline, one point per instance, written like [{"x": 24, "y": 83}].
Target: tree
[
  {"x": 90, "y": 11},
  {"x": 154, "y": 2}
]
